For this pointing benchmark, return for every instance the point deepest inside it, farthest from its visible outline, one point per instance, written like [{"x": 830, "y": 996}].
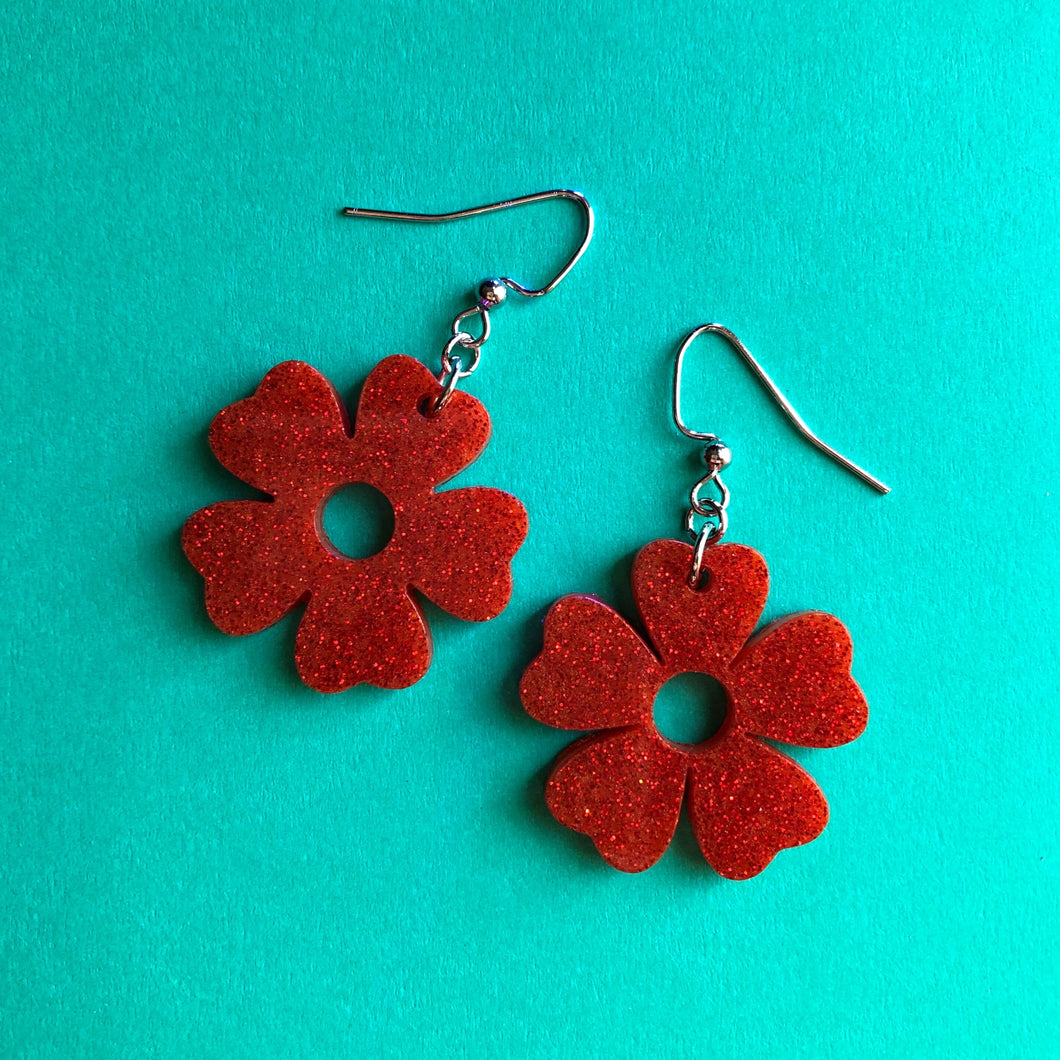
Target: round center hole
[
  {"x": 358, "y": 521},
  {"x": 690, "y": 708}
]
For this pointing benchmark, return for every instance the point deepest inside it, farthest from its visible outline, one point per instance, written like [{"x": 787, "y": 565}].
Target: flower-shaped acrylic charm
[
  {"x": 362, "y": 621},
  {"x": 624, "y": 786}
]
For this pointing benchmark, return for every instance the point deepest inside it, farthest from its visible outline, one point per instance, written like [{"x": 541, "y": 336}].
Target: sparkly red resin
[
  {"x": 291, "y": 439},
  {"x": 623, "y": 787}
]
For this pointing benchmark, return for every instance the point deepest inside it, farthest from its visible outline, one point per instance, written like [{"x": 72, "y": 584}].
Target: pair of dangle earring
[
  {"x": 413, "y": 431},
  {"x": 624, "y": 784}
]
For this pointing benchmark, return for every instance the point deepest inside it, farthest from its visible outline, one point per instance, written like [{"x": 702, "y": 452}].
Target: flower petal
[
  {"x": 747, "y": 802},
  {"x": 362, "y": 627},
  {"x": 255, "y": 569},
  {"x": 699, "y": 629},
  {"x": 594, "y": 671},
  {"x": 400, "y": 445},
  {"x": 792, "y": 683},
  {"x": 461, "y": 543},
  {"x": 293, "y": 430},
  {"x": 623, "y": 790}
]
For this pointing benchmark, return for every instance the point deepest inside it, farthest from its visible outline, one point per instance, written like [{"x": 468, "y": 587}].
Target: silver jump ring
[
  {"x": 708, "y": 535},
  {"x": 717, "y": 532},
  {"x": 707, "y": 508},
  {"x": 448, "y": 379},
  {"x": 464, "y": 341}
]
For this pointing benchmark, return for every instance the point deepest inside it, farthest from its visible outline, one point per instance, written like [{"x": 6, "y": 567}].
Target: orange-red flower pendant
[
  {"x": 624, "y": 786},
  {"x": 362, "y": 621}
]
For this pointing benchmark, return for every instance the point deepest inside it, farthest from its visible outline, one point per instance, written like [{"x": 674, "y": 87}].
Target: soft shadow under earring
[
  {"x": 292, "y": 440},
  {"x": 623, "y": 785}
]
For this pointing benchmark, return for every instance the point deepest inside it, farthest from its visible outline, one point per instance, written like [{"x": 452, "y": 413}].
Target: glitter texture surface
[
  {"x": 362, "y": 622},
  {"x": 623, "y": 787}
]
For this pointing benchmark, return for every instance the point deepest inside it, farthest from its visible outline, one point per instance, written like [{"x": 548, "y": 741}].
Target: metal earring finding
[
  {"x": 492, "y": 292},
  {"x": 717, "y": 455}
]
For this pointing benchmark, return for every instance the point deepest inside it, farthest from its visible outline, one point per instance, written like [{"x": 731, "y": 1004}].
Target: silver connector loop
[{"x": 715, "y": 516}]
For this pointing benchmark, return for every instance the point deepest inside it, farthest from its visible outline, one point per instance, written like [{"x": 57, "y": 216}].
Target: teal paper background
[{"x": 201, "y": 857}]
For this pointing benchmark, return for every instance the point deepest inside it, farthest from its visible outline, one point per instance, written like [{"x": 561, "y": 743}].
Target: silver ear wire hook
[
  {"x": 774, "y": 392},
  {"x": 717, "y": 455},
  {"x": 522, "y": 200},
  {"x": 492, "y": 292}
]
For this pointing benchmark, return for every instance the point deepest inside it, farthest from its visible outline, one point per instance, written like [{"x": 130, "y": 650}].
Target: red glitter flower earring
[
  {"x": 413, "y": 431},
  {"x": 624, "y": 784}
]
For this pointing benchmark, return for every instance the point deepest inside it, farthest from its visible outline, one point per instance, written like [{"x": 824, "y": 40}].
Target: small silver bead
[
  {"x": 491, "y": 293},
  {"x": 717, "y": 456}
]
